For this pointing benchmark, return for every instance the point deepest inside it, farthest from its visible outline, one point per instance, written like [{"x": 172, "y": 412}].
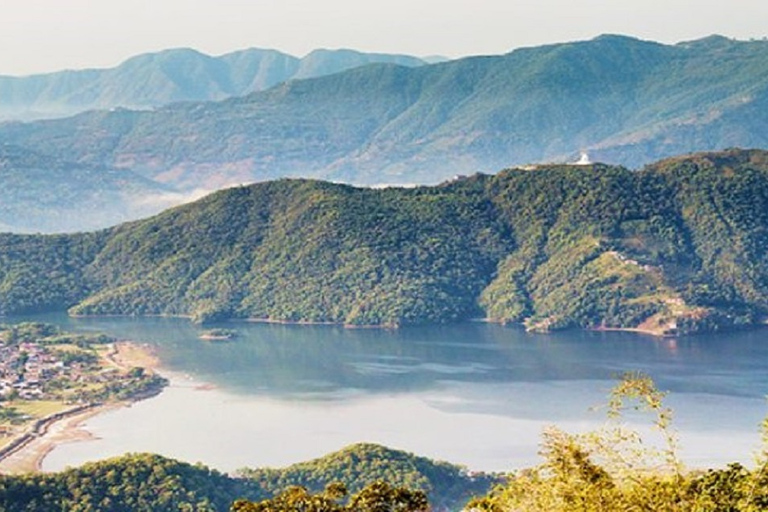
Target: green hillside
[
  {"x": 626, "y": 101},
  {"x": 304, "y": 251},
  {"x": 144, "y": 482},
  {"x": 672, "y": 248},
  {"x": 447, "y": 486},
  {"x": 131, "y": 483},
  {"x": 678, "y": 247}
]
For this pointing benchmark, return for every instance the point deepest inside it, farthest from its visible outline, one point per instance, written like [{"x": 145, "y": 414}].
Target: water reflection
[
  {"x": 473, "y": 393},
  {"x": 284, "y": 361}
]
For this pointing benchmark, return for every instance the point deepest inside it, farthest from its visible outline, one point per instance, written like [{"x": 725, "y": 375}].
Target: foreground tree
[
  {"x": 614, "y": 469},
  {"x": 376, "y": 497}
]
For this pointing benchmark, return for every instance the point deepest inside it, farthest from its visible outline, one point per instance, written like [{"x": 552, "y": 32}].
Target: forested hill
[
  {"x": 677, "y": 247},
  {"x": 145, "y": 482},
  {"x": 625, "y": 101},
  {"x": 447, "y": 485}
]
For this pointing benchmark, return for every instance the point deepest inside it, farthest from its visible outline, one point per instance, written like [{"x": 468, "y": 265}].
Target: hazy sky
[{"x": 49, "y": 35}]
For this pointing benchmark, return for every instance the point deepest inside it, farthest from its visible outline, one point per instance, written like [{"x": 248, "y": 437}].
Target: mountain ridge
[
  {"x": 151, "y": 80},
  {"x": 675, "y": 248},
  {"x": 625, "y": 101},
  {"x": 134, "y": 482}
]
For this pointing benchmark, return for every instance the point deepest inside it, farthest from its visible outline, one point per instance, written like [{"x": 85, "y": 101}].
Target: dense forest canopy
[
  {"x": 677, "y": 247},
  {"x": 145, "y": 482}
]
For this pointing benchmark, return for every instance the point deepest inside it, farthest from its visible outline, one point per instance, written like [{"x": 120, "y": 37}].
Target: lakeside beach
[{"x": 66, "y": 426}]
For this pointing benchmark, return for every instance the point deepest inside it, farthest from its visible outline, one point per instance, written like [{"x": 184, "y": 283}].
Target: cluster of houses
[{"x": 25, "y": 368}]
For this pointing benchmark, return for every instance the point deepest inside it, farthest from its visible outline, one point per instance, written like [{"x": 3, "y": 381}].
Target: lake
[{"x": 472, "y": 394}]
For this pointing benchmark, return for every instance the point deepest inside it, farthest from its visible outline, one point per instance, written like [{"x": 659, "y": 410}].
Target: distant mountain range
[
  {"x": 150, "y": 80},
  {"x": 623, "y": 100},
  {"x": 678, "y": 247}
]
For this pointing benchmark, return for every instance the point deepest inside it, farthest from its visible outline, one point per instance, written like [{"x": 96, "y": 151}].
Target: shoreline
[
  {"x": 636, "y": 330},
  {"x": 660, "y": 333},
  {"x": 26, "y": 453},
  {"x": 32, "y": 447},
  {"x": 657, "y": 333}
]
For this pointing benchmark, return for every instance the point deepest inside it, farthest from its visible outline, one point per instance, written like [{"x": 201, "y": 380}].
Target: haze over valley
[{"x": 623, "y": 100}]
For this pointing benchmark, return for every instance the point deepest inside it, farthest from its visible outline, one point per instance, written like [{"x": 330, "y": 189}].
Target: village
[
  {"x": 45, "y": 372},
  {"x": 31, "y": 371},
  {"x": 23, "y": 370}
]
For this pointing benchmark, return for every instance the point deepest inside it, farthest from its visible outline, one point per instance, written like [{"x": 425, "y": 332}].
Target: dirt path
[{"x": 31, "y": 448}]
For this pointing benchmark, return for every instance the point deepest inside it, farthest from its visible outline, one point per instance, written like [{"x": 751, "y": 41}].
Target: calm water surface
[{"x": 473, "y": 394}]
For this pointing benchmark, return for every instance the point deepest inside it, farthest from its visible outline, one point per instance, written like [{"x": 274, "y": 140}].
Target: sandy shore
[
  {"x": 67, "y": 430},
  {"x": 128, "y": 354},
  {"x": 29, "y": 458}
]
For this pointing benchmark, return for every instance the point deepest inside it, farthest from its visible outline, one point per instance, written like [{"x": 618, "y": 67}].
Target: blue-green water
[{"x": 473, "y": 394}]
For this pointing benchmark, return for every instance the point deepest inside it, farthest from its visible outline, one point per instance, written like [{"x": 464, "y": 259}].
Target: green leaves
[
  {"x": 361, "y": 465},
  {"x": 126, "y": 484},
  {"x": 616, "y": 469},
  {"x": 145, "y": 482},
  {"x": 677, "y": 248},
  {"x": 376, "y": 497}
]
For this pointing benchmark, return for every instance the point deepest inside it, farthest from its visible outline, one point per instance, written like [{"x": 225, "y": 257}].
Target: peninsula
[{"x": 50, "y": 379}]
